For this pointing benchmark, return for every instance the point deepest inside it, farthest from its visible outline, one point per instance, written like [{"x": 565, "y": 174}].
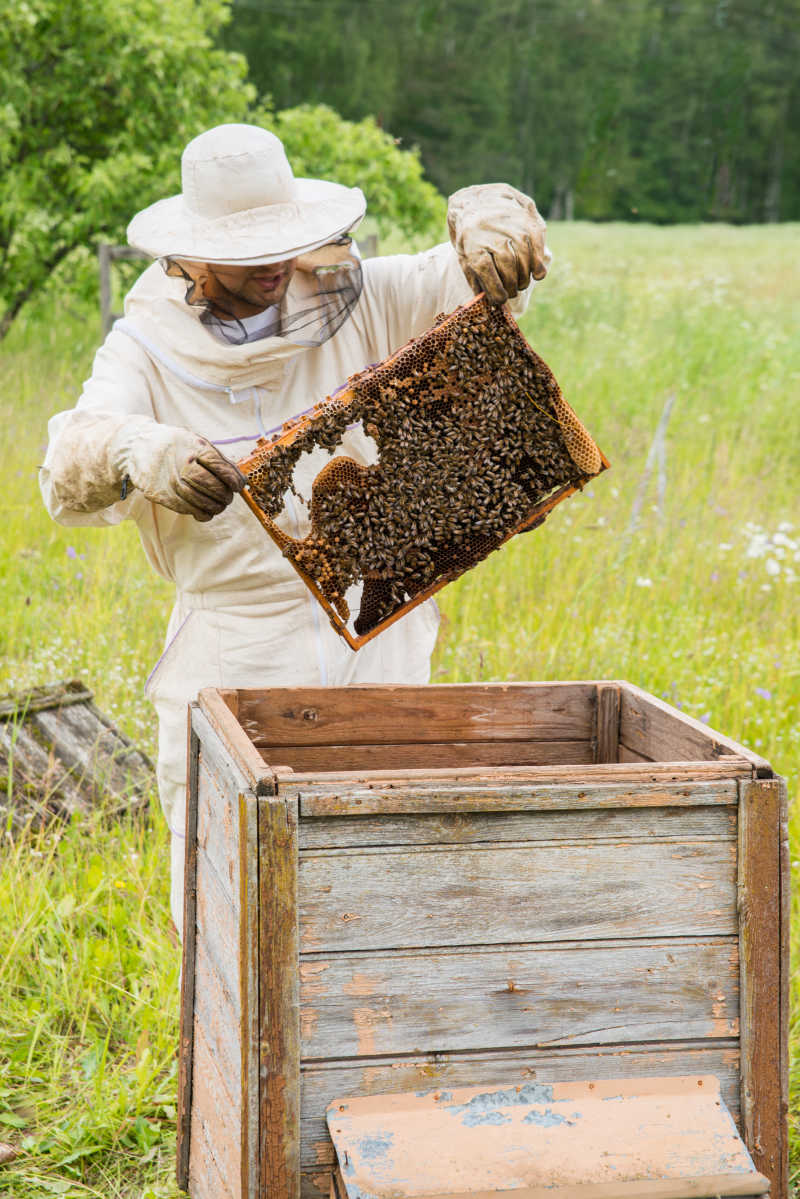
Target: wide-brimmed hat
[{"x": 241, "y": 204}]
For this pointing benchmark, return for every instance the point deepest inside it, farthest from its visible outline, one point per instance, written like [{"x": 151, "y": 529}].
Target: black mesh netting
[{"x": 324, "y": 291}]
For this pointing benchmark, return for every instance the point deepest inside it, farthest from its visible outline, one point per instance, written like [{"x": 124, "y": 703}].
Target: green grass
[{"x": 699, "y": 604}]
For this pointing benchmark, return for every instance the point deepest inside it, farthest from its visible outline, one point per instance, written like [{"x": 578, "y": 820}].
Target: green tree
[
  {"x": 99, "y": 97},
  {"x": 359, "y": 154}
]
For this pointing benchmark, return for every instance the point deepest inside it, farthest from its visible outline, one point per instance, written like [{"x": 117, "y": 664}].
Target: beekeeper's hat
[{"x": 242, "y": 205}]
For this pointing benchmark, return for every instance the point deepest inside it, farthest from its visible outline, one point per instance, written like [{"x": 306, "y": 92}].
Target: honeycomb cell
[{"x": 474, "y": 439}]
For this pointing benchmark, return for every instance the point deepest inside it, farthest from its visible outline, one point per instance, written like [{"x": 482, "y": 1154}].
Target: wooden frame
[
  {"x": 716, "y": 808},
  {"x": 536, "y": 515}
]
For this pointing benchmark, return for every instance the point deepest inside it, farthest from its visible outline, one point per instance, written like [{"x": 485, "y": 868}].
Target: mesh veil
[{"x": 323, "y": 292}]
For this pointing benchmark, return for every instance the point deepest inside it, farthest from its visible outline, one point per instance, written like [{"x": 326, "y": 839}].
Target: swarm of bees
[{"x": 475, "y": 442}]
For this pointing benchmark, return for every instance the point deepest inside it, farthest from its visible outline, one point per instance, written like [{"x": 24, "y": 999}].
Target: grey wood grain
[
  {"x": 218, "y": 1013},
  {"x": 100, "y": 755},
  {"x": 217, "y": 830},
  {"x": 592, "y": 824},
  {"x": 324, "y": 799},
  {"x": 322, "y": 1083},
  {"x": 249, "y": 975},
  {"x": 489, "y": 894},
  {"x": 217, "y": 924},
  {"x": 404, "y": 1003}
]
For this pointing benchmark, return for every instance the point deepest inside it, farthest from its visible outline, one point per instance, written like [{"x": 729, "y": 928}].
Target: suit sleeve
[
  {"x": 408, "y": 291},
  {"x": 80, "y": 479}
]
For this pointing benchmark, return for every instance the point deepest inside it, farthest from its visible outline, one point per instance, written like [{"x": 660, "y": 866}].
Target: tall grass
[{"x": 697, "y": 602}]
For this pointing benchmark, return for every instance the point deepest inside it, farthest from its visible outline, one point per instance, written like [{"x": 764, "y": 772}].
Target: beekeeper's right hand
[
  {"x": 97, "y": 459},
  {"x": 180, "y": 470}
]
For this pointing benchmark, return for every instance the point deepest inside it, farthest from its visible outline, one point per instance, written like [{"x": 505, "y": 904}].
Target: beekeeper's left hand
[{"x": 498, "y": 236}]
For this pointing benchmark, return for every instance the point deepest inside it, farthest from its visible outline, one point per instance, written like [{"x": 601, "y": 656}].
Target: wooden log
[
  {"x": 279, "y": 1023},
  {"x": 388, "y": 714},
  {"x": 591, "y": 993},
  {"x": 763, "y": 891},
  {"x": 658, "y": 731},
  {"x": 432, "y": 754},
  {"x": 322, "y": 1082},
  {"x": 491, "y": 894},
  {"x": 716, "y": 822},
  {"x": 528, "y": 792}
]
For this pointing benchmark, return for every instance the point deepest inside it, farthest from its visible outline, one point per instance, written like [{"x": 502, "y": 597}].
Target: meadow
[{"x": 687, "y": 584}]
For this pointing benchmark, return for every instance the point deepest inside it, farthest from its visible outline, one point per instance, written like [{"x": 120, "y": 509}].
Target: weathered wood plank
[
  {"x": 593, "y": 824},
  {"x": 218, "y": 924},
  {"x": 435, "y": 754},
  {"x": 48, "y": 786},
  {"x": 217, "y": 829},
  {"x": 249, "y": 762},
  {"x": 249, "y": 966},
  {"x": 186, "y": 1044},
  {"x": 279, "y": 1020},
  {"x": 764, "y": 1036},
  {"x": 629, "y": 773},
  {"x": 491, "y": 894},
  {"x": 102, "y": 757},
  {"x": 653, "y": 728},
  {"x": 316, "y": 1184},
  {"x": 449, "y": 712},
  {"x": 324, "y": 1082},
  {"x": 525, "y": 794},
  {"x": 215, "y": 1128},
  {"x": 35, "y": 699},
  {"x": 595, "y": 993},
  {"x": 218, "y": 1013},
  {"x": 626, "y": 754},
  {"x": 607, "y": 730},
  {"x": 206, "y": 1181}
]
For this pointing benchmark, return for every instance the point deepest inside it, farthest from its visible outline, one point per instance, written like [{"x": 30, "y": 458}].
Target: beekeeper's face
[{"x": 259, "y": 286}]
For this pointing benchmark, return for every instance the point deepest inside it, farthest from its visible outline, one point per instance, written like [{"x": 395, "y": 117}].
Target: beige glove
[
  {"x": 97, "y": 459},
  {"x": 182, "y": 471},
  {"x": 498, "y": 236}
]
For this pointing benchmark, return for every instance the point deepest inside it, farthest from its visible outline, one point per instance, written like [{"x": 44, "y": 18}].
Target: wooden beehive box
[{"x": 403, "y": 888}]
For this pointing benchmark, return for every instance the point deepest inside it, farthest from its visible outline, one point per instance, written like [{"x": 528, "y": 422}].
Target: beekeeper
[{"x": 257, "y": 307}]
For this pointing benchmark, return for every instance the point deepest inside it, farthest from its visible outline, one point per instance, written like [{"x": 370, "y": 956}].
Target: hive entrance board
[
  {"x": 643, "y": 1138},
  {"x": 474, "y": 444}
]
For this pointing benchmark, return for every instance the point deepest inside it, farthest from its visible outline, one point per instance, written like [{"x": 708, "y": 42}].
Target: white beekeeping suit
[{"x": 166, "y": 376}]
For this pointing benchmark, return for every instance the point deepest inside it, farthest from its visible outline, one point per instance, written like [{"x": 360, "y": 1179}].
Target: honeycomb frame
[{"x": 475, "y": 362}]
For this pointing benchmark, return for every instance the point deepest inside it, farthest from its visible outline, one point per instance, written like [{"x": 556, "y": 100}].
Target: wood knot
[{"x": 309, "y": 714}]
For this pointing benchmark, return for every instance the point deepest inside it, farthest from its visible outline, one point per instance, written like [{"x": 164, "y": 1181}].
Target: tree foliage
[
  {"x": 322, "y": 144},
  {"x": 667, "y": 110},
  {"x": 99, "y": 98}
]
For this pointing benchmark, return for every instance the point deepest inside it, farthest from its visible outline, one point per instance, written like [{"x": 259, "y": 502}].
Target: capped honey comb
[{"x": 474, "y": 444}]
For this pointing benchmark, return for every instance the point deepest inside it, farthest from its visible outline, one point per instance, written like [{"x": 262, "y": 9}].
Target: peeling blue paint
[
  {"x": 375, "y": 1147},
  {"x": 490, "y": 1101},
  {"x": 612, "y": 1099},
  {"x": 547, "y": 1118},
  {"x": 483, "y": 1109},
  {"x": 473, "y": 1119}
]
